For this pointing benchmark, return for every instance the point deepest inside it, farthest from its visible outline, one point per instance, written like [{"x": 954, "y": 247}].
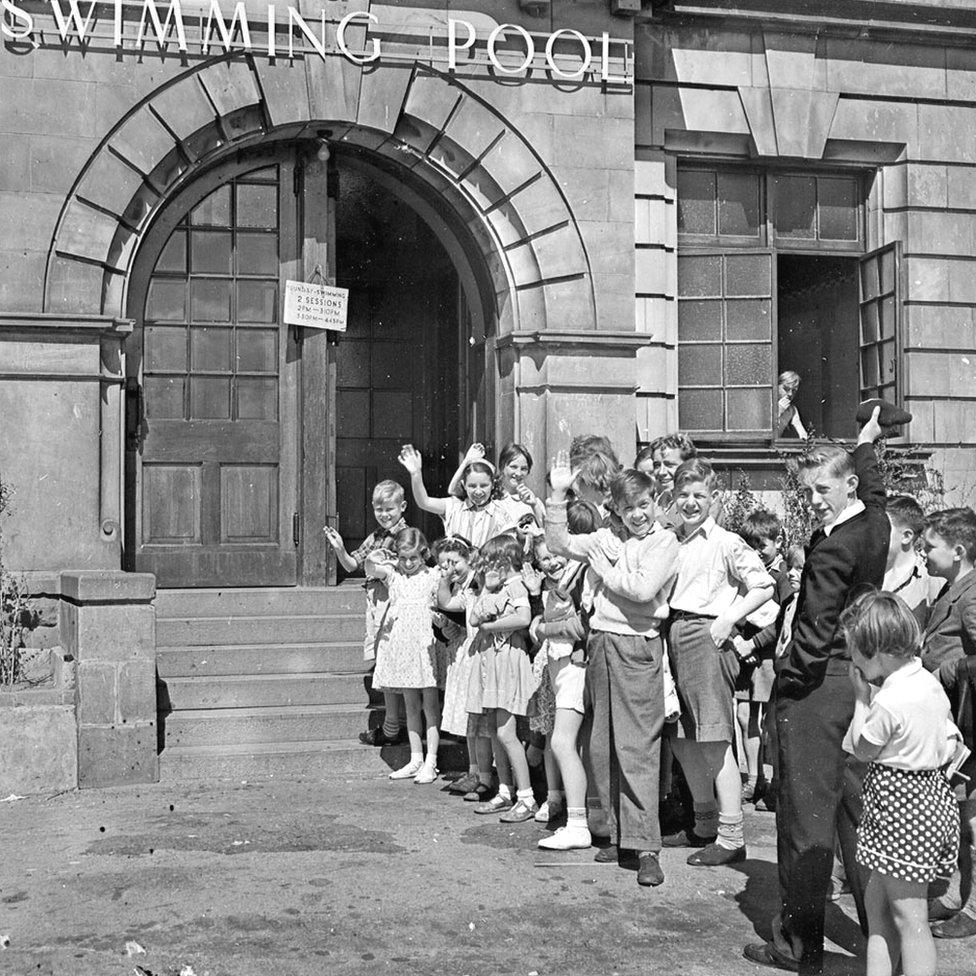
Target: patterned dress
[
  {"x": 462, "y": 658},
  {"x": 410, "y": 656}
]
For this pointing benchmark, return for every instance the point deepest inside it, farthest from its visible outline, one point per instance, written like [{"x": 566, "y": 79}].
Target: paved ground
[{"x": 357, "y": 875}]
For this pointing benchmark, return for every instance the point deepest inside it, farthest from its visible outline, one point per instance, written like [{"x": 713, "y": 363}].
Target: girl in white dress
[
  {"x": 514, "y": 466},
  {"x": 475, "y": 512},
  {"x": 410, "y": 659}
]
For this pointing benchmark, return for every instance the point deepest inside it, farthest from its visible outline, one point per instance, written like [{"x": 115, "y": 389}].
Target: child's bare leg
[
  {"x": 502, "y": 765},
  {"x": 750, "y": 721},
  {"x": 883, "y": 945},
  {"x": 471, "y": 740},
  {"x": 432, "y": 716},
  {"x": 412, "y": 701},
  {"x": 909, "y": 912},
  {"x": 701, "y": 783},
  {"x": 728, "y": 792},
  {"x": 392, "y": 710},
  {"x": 564, "y": 738},
  {"x": 515, "y": 751},
  {"x": 554, "y": 782}
]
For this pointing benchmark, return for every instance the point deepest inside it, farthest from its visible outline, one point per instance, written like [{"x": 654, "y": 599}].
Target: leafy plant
[{"x": 15, "y": 612}]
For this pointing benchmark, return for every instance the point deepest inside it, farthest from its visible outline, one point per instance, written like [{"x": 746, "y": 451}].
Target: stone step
[
  {"x": 297, "y": 760},
  {"x": 287, "y": 723},
  {"x": 259, "y": 690},
  {"x": 259, "y": 602},
  {"x": 283, "y": 629},
  {"x": 238, "y": 659}
]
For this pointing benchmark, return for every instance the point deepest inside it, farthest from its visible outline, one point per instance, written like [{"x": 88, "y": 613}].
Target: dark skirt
[
  {"x": 705, "y": 676},
  {"x": 910, "y": 825}
]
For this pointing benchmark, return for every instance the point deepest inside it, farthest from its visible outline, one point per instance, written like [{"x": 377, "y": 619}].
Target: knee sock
[
  {"x": 576, "y": 817},
  {"x": 706, "y": 819},
  {"x": 391, "y": 727},
  {"x": 730, "y": 835}
]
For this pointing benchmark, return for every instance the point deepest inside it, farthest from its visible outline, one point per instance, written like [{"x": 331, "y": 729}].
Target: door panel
[{"x": 216, "y": 485}]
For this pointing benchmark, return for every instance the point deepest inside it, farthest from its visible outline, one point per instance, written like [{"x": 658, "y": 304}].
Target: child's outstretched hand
[
  {"x": 561, "y": 476},
  {"x": 532, "y": 578},
  {"x": 872, "y": 430},
  {"x": 476, "y": 452},
  {"x": 599, "y": 562},
  {"x": 332, "y": 537},
  {"x": 411, "y": 458}
]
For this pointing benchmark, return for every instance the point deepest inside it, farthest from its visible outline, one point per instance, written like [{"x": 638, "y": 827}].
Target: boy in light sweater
[{"x": 624, "y": 671}]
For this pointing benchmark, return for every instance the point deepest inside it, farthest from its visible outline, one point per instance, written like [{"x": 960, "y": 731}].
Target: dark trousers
[
  {"x": 818, "y": 797},
  {"x": 625, "y": 692}
]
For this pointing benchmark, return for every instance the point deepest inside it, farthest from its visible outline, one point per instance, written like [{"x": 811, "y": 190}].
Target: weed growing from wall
[{"x": 15, "y": 613}]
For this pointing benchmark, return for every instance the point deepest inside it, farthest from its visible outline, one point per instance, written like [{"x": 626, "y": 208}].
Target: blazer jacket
[
  {"x": 839, "y": 567},
  {"x": 951, "y": 630}
]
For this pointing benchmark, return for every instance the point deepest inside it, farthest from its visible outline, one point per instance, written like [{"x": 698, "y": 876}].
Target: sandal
[
  {"x": 465, "y": 784},
  {"x": 495, "y": 805},
  {"x": 479, "y": 794},
  {"x": 519, "y": 813}
]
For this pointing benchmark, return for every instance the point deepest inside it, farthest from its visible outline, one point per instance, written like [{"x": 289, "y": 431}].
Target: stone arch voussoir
[{"x": 472, "y": 156}]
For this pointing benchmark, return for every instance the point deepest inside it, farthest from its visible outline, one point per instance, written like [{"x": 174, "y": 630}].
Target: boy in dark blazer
[
  {"x": 948, "y": 649},
  {"x": 814, "y": 695}
]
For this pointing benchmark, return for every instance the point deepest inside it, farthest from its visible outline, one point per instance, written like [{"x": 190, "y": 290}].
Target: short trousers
[{"x": 567, "y": 681}]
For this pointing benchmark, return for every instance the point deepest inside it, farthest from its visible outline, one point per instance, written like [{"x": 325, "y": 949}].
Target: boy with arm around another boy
[{"x": 624, "y": 671}]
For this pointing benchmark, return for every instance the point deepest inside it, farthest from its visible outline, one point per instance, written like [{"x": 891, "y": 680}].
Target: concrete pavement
[{"x": 354, "y": 876}]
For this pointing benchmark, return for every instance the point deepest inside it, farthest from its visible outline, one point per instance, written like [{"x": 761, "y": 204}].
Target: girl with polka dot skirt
[{"x": 909, "y": 831}]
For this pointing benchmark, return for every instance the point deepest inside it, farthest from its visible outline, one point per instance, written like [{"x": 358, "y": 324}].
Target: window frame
[{"x": 768, "y": 243}]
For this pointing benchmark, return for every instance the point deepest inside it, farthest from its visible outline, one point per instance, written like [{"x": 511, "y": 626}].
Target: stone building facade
[{"x": 552, "y": 217}]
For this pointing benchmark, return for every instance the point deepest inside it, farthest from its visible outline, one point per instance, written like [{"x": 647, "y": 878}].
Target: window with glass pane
[
  {"x": 720, "y": 205},
  {"x": 880, "y": 328},
  {"x": 816, "y": 211},
  {"x": 211, "y": 338},
  {"x": 725, "y": 342}
]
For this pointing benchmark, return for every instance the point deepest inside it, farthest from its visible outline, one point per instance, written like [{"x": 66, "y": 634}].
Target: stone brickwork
[
  {"x": 901, "y": 109},
  {"x": 108, "y": 624}
]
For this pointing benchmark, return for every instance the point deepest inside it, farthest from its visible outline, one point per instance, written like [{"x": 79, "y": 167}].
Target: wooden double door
[{"x": 245, "y": 436}]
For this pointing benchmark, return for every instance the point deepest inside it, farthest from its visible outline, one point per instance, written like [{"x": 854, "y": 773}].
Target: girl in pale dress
[
  {"x": 410, "y": 659},
  {"x": 514, "y": 466},
  {"x": 474, "y": 512},
  {"x": 503, "y": 685}
]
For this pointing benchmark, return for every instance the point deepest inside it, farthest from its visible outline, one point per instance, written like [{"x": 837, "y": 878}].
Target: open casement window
[
  {"x": 880, "y": 303},
  {"x": 726, "y": 351}
]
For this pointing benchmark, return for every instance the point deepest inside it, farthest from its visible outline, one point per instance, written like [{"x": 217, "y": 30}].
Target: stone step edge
[
  {"x": 251, "y": 617},
  {"x": 266, "y": 711},
  {"x": 196, "y": 679}
]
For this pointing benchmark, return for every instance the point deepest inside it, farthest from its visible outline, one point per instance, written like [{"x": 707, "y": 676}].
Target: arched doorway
[{"x": 229, "y": 407}]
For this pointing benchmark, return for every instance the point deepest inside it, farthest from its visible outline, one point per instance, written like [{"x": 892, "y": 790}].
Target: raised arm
[
  {"x": 476, "y": 452},
  {"x": 412, "y": 460},
  {"x": 558, "y": 539},
  {"x": 870, "y": 487},
  {"x": 349, "y": 563},
  {"x": 642, "y": 584}
]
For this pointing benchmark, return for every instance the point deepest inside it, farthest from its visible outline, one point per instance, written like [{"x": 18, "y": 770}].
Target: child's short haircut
[
  {"x": 480, "y": 467},
  {"x": 597, "y": 470},
  {"x": 628, "y": 485},
  {"x": 411, "y": 540},
  {"x": 957, "y": 526},
  {"x": 582, "y": 517},
  {"x": 836, "y": 460},
  {"x": 906, "y": 513},
  {"x": 694, "y": 470},
  {"x": 878, "y": 623},
  {"x": 502, "y": 550},
  {"x": 789, "y": 380},
  {"x": 511, "y": 451},
  {"x": 759, "y": 525},
  {"x": 453, "y": 543},
  {"x": 388, "y": 491},
  {"x": 795, "y": 557},
  {"x": 644, "y": 454},
  {"x": 677, "y": 441},
  {"x": 587, "y": 444}
]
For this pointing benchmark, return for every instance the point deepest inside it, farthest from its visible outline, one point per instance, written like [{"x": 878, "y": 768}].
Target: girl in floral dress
[{"x": 410, "y": 659}]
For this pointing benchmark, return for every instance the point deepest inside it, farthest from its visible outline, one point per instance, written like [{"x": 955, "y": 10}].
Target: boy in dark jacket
[{"x": 814, "y": 695}]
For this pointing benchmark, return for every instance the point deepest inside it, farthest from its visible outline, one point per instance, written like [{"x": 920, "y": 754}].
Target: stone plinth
[{"x": 108, "y": 624}]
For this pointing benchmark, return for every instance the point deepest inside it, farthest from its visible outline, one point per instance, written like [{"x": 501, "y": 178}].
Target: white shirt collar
[
  {"x": 705, "y": 529},
  {"x": 904, "y": 673},
  {"x": 855, "y": 508}
]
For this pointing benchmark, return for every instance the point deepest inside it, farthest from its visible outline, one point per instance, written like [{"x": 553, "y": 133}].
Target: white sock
[
  {"x": 526, "y": 796},
  {"x": 504, "y": 791},
  {"x": 416, "y": 757},
  {"x": 576, "y": 817}
]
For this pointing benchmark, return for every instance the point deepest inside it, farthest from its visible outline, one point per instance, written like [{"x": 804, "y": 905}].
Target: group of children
[{"x": 620, "y": 623}]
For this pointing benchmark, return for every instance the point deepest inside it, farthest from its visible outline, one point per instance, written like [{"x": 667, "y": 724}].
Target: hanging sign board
[{"x": 316, "y": 306}]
